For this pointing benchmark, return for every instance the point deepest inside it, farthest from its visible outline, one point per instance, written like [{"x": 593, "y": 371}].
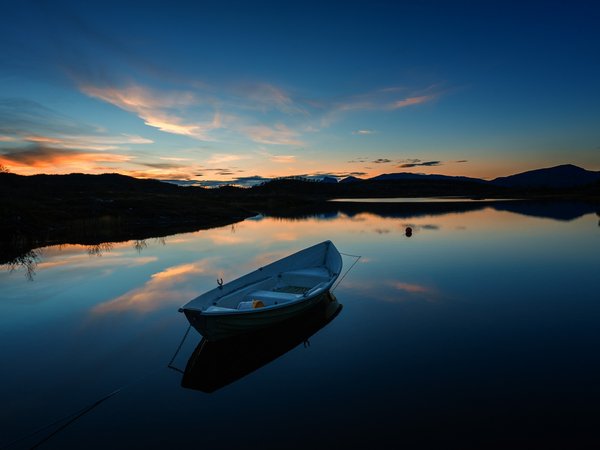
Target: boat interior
[{"x": 273, "y": 290}]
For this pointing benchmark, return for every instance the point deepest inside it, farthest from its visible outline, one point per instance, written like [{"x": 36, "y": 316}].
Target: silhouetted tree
[
  {"x": 140, "y": 244},
  {"x": 99, "y": 249},
  {"x": 28, "y": 261}
]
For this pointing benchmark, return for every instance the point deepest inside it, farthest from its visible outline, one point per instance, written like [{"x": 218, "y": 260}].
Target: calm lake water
[{"x": 481, "y": 329}]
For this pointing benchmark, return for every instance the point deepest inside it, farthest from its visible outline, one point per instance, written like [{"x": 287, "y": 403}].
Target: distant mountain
[
  {"x": 330, "y": 180},
  {"x": 420, "y": 176},
  {"x": 183, "y": 182},
  {"x": 350, "y": 179},
  {"x": 564, "y": 176},
  {"x": 43, "y": 185}
]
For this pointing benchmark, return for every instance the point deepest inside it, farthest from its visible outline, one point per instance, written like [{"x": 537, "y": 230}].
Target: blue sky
[{"x": 227, "y": 90}]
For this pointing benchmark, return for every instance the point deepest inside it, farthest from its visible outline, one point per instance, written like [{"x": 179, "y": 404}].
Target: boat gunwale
[{"x": 290, "y": 303}]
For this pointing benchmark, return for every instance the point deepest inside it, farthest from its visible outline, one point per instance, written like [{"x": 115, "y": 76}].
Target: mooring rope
[
  {"x": 347, "y": 271},
  {"x": 77, "y": 416},
  {"x": 72, "y": 417},
  {"x": 170, "y": 365}
]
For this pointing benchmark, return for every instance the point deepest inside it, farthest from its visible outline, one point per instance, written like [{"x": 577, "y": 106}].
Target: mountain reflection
[
  {"x": 378, "y": 218},
  {"x": 548, "y": 209},
  {"x": 214, "y": 365}
]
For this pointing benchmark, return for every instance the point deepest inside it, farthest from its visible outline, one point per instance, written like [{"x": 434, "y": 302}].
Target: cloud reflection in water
[{"x": 163, "y": 288}]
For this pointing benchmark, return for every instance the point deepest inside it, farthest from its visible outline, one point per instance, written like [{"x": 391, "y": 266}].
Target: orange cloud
[
  {"x": 108, "y": 261},
  {"x": 285, "y": 159},
  {"x": 138, "y": 98},
  {"x": 281, "y": 159},
  {"x": 174, "y": 125},
  {"x": 411, "y": 101},
  {"x": 153, "y": 108},
  {"x": 162, "y": 288},
  {"x": 412, "y": 288},
  {"x": 220, "y": 158},
  {"x": 40, "y": 156}
]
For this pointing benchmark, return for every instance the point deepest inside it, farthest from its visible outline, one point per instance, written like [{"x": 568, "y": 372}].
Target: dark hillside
[
  {"x": 77, "y": 208},
  {"x": 558, "y": 177},
  {"x": 402, "y": 187},
  {"x": 89, "y": 209}
]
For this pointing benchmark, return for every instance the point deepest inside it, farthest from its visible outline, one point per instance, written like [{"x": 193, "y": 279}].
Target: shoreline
[
  {"x": 94, "y": 231},
  {"x": 38, "y": 211}
]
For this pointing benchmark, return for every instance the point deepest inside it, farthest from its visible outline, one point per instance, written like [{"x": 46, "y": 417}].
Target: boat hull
[
  {"x": 220, "y": 326},
  {"x": 215, "y": 364}
]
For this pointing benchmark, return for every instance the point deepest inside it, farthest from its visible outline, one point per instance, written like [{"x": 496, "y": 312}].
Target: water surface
[{"x": 479, "y": 329}]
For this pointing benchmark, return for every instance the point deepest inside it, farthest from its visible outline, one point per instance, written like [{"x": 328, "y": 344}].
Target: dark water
[{"x": 481, "y": 330}]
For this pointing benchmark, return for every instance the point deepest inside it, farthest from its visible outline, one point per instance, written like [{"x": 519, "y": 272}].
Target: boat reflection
[{"x": 214, "y": 365}]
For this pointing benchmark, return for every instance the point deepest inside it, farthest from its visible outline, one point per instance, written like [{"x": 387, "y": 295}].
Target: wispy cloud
[
  {"x": 280, "y": 134},
  {"x": 282, "y": 159},
  {"x": 360, "y": 159},
  {"x": 21, "y": 117},
  {"x": 173, "y": 158},
  {"x": 363, "y": 132},
  {"x": 87, "y": 142},
  {"x": 338, "y": 175},
  {"x": 220, "y": 158},
  {"x": 386, "y": 99},
  {"x": 420, "y": 163},
  {"x": 156, "y": 108},
  {"x": 382, "y": 161},
  {"x": 410, "y": 101},
  {"x": 137, "y": 98},
  {"x": 175, "y": 125},
  {"x": 162, "y": 165},
  {"x": 181, "y": 173},
  {"x": 266, "y": 96}
]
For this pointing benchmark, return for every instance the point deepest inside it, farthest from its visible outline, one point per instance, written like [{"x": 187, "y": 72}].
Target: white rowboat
[
  {"x": 268, "y": 295},
  {"x": 214, "y": 365}
]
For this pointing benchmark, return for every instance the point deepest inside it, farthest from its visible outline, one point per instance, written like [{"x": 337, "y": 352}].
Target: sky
[{"x": 243, "y": 91}]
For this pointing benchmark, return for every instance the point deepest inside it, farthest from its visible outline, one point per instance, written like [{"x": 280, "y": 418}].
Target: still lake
[{"x": 480, "y": 329}]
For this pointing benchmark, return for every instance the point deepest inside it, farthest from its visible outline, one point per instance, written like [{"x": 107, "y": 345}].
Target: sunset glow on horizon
[{"x": 247, "y": 92}]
